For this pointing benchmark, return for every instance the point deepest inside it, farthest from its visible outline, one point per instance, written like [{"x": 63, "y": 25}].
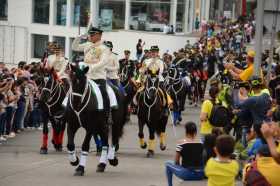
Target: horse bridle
[
  {"x": 52, "y": 92},
  {"x": 82, "y": 96},
  {"x": 147, "y": 94}
]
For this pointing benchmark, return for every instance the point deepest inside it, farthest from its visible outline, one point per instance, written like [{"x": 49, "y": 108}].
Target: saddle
[
  {"x": 97, "y": 93},
  {"x": 98, "y": 96}
]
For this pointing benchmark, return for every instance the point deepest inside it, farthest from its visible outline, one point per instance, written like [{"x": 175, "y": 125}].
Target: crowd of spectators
[
  {"x": 19, "y": 104},
  {"x": 221, "y": 154}
]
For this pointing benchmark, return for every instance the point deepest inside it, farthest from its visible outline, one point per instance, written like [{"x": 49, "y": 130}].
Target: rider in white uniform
[
  {"x": 96, "y": 56},
  {"x": 113, "y": 67},
  {"x": 57, "y": 62}
]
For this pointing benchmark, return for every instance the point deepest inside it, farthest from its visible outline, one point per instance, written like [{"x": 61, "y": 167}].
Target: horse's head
[
  {"x": 173, "y": 73},
  {"x": 78, "y": 77},
  {"x": 48, "y": 89},
  {"x": 152, "y": 83}
]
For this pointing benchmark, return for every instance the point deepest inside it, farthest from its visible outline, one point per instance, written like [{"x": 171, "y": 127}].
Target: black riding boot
[{"x": 105, "y": 97}]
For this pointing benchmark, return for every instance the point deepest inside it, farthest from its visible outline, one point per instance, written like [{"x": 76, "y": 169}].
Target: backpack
[
  {"x": 253, "y": 177},
  {"x": 219, "y": 116}
]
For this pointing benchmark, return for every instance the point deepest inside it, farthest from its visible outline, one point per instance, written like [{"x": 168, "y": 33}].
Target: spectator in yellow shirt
[
  {"x": 222, "y": 170},
  {"x": 239, "y": 74},
  {"x": 206, "y": 108},
  {"x": 266, "y": 166},
  {"x": 271, "y": 131}
]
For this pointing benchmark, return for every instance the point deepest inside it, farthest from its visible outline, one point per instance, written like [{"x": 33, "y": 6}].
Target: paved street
[{"x": 22, "y": 165}]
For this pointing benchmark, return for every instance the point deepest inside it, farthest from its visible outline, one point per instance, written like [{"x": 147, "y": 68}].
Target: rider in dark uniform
[{"x": 127, "y": 63}]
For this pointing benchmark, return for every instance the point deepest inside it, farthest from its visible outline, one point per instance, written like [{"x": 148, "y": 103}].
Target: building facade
[{"x": 27, "y": 25}]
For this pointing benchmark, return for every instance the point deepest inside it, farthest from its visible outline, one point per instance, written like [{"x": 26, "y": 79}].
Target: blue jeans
[
  {"x": 9, "y": 117},
  {"x": 19, "y": 116},
  {"x": 138, "y": 57},
  {"x": 182, "y": 173},
  {"x": 35, "y": 117},
  {"x": 2, "y": 123}
]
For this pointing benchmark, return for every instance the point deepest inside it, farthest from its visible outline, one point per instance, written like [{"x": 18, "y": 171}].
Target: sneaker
[
  {"x": 2, "y": 138},
  {"x": 12, "y": 135},
  {"x": 40, "y": 128}
]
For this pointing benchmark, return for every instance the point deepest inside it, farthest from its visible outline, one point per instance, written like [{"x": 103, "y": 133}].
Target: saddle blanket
[{"x": 97, "y": 92}]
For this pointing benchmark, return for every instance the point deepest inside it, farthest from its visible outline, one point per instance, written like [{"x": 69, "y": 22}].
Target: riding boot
[{"x": 105, "y": 97}]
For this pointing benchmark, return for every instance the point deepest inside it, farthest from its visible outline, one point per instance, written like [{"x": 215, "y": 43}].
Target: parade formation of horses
[
  {"x": 52, "y": 96},
  {"x": 177, "y": 89},
  {"x": 83, "y": 110},
  {"x": 151, "y": 112}
]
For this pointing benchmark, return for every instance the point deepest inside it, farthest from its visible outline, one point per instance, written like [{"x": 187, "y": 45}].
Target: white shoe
[
  {"x": 40, "y": 128},
  {"x": 2, "y": 138},
  {"x": 12, "y": 135}
]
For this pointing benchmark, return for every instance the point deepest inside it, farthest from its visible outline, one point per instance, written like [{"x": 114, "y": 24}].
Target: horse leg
[
  {"x": 55, "y": 132},
  {"x": 44, "y": 147},
  {"x": 61, "y": 135},
  {"x": 71, "y": 131},
  {"x": 116, "y": 130},
  {"x": 151, "y": 143},
  {"x": 80, "y": 170},
  {"x": 163, "y": 123},
  {"x": 103, "y": 131},
  {"x": 142, "y": 142}
]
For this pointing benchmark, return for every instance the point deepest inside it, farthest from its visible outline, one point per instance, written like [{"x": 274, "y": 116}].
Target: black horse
[
  {"x": 177, "y": 89},
  {"x": 151, "y": 112},
  {"x": 52, "y": 96},
  {"x": 129, "y": 87},
  {"x": 82, "y": 111}
]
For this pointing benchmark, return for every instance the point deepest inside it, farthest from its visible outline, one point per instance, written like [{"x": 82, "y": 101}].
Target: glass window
[
  {"x": 180, "y": 17},
  {"x": 61, "y": 9},
  {"x": 149, "y": 15},
  {"x": 111, "y": 14},
  {"x": 39, "y": 45},
  {"x": 60, "y": 41},
  {"x": 81, "y": 12},
  {"x": 3, "y": 9},
  {"x": 41, "y": 11}
]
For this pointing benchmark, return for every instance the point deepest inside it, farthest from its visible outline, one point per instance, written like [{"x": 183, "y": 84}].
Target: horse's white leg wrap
[
  {"x": 104, "y": 155},
  {"x": 72, "y": 156},
  {"x": 83, "y": 158},
  {"x": 111, "y": 153}
]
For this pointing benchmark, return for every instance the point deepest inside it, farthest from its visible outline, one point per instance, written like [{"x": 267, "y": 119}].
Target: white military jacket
[
  {"x": 113, "y": 67},
  {"x": 96, "y": 56},
  {"x": 59, "y": 64},
  {"x": 155, "y": 63}
]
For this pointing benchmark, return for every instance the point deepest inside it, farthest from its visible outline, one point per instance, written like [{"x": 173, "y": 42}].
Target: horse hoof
[
  {"x": 75, "y": 163},
  {"x": 117, "y": 147},
  {"x": 150, "y": 153},
  {"x": 162, "y": 147},
  {"x": 144, "y": 146},
  {"x": 54, "y": 145},
  {"x": 80, "y": 171},
  {"x": 59, "y": 148},
  {"x": 44, "y": 150},
  {"x": 114, "y": 162},
  {"x": 101, "y": 167}
]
